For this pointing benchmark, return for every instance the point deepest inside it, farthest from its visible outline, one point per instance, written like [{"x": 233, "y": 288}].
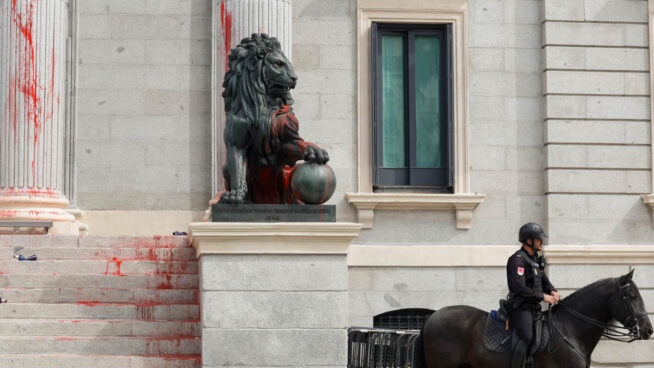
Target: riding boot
[{"x": 519, "y": 355}]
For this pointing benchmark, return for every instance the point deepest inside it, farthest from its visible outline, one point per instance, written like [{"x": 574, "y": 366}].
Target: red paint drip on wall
[{"x": 226, "y": 24}]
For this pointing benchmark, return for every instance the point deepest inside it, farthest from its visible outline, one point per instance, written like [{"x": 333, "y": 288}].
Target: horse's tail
[{"x": 419, "y": 352}]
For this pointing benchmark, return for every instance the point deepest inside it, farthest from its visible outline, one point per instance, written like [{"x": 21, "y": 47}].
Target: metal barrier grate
[{"x": 381, "y": 348}]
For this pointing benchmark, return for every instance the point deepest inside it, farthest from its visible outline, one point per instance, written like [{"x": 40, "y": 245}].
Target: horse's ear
[{"x": 626, "y": 278}]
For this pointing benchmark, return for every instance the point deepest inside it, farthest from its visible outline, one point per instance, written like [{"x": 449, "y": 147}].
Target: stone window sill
[
  {"x": 648, "y": 200},
  {"x": 463, "y": 204}
]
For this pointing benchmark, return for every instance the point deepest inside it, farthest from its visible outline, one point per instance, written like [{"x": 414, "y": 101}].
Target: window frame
[
  {"x": 434, "y": 179},
  {"x": 461, "y": 201}
]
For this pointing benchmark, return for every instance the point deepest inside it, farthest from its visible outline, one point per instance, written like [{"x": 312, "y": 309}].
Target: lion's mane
[{"x": 245, "y": 91}]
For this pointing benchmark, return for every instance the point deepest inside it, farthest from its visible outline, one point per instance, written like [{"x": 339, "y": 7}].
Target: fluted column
[
  {"x": 32, "y": 111},
  {"x": 234, "y": 20}
]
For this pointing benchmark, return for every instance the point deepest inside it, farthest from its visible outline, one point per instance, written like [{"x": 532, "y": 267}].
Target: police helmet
[{"x": 531, "y": 230}]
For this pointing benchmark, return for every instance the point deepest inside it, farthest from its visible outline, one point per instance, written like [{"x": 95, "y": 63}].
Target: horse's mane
[
  {"x": 244, "y": 85},
  {"x": 587, "y": 291}
]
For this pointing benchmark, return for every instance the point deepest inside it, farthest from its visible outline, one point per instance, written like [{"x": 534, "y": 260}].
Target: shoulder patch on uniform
[{"x": 521, "y": 271}]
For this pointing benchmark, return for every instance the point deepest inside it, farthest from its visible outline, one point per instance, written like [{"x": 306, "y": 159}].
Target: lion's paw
[
  {"x": 316, "y": 154},
  {"x": 233, "y": 197}
]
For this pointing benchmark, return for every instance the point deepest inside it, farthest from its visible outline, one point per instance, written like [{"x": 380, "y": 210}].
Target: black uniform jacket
[{"x": 520, "y": 276}]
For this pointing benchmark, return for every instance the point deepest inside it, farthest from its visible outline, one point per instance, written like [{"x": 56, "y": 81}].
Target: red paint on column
[
  {"x": 27, "y": 79},
  {"x": 226, "y": 24},
  {"x": 11, "y": 106}
]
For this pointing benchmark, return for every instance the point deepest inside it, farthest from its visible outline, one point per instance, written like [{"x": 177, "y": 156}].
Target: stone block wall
[
  {"x": 324, "y": 57},
  {"x": 597, "y": 118},
  {"x": 274, "y": 310},
  {"x": 144, "y": 105}
]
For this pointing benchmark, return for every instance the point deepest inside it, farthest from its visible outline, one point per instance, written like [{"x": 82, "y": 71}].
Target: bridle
[{"x": 628, "y": 333}]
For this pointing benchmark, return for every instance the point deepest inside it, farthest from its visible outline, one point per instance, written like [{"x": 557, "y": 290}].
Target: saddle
[{"x": 500, "y": 336}]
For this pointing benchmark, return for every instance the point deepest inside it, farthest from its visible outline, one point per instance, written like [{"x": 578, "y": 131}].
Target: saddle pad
[{"x": 496, "y": 338}]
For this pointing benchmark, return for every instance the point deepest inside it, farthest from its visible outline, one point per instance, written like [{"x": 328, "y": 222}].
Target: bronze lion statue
[{"x": 261, "y": 132}]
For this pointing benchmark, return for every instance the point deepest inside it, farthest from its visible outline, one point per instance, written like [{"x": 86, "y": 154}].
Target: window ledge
[
  {"x": 367, "y": 203},
  {"x": 648, "y": 200}
]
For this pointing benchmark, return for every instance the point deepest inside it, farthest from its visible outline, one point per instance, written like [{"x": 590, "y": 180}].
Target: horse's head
[{"x": 628, "y": 308}]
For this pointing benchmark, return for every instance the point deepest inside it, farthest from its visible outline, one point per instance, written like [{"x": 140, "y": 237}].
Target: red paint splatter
[
  {"x": 27, "y": 80},
  {"x": 167, "y": 284},
  {"x": 11, "y": 105},
  {"x": 117, "y": 271},
  {"x": 226, "y": 24},
  {"x": 89, "y": 304}
]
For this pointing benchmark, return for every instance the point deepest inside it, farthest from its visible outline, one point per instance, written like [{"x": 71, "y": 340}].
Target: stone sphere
[{"x": 313, "y": 183}]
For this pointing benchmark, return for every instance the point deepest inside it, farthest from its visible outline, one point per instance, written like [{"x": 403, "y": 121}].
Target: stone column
[
  {"x": 33, "y": 36},
  {"x": 273, "y": 294},
  {"x": 234, "y": 20}
]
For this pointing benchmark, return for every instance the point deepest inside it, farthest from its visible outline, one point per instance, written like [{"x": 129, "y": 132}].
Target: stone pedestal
[
  {"x": 32, "y": 111},
  {"x": 273, "y": 294},
  {"x": 234, "y": 20}
]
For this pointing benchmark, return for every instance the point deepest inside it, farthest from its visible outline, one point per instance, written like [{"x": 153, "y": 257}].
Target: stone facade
[
  {"x": 144, "y": 92},
  {"x": 559, "y": 132}
]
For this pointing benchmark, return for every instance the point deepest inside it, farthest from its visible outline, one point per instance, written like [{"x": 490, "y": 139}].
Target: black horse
[{"x": 452, "y": 336}]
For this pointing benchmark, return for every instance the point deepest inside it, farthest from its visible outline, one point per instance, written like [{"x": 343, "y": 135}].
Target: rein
[{"x": 609, "y": 330}]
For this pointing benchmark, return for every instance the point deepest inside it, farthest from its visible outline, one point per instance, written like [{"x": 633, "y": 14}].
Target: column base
[{"x": 39, "y": 206}]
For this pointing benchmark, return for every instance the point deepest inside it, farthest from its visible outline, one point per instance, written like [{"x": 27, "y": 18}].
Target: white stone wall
[
  {"x": 597, "y": 117},
  {"x": 324, "y": 57},
  {"x": 506, "y": 134},
  {"x": 144, "y": 105}
]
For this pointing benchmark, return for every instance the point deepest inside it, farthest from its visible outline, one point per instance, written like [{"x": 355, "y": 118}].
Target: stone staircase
[{"x": 99, "y": 302}]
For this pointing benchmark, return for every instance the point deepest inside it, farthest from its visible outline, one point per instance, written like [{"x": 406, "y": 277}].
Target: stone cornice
[
  {"x": 272, "y": 238},
  {"x": 492, "y": 255},
  {"x": 463, "y": 204}
]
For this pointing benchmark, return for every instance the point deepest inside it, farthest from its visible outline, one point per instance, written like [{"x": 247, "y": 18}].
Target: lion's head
[{"x": 259, "y": 78}]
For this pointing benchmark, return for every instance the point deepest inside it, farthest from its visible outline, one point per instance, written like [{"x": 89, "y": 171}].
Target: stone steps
[
  {"x": 99, "y": 302},
  {"x": 133, "y": 345},
  {"x": 115, "y": 266},
  {"x": 116, "y": 328},
  {"x": 150, "y": 254},
  {"x": 172, "y": 281},
  {"x": 98, "y": 361},
  {"x": 105, "y": 295},
  {"x": 104, "y": 311},
  {"x": 59, "y": 241}
]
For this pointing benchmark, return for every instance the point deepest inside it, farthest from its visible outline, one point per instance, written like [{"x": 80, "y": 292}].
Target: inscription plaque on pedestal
[{"x": 272, "y": 213}]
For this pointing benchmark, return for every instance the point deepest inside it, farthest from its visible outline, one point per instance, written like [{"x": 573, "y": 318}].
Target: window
[
  {"x": 412, "y": 106},
  {"x": 449, "y": 187}
]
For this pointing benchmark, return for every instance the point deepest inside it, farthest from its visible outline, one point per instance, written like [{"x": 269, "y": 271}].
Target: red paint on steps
[
  {"x": 117, "y": 271},
  {"x": 167, "y": 284},
  {"x": 167, "y": 344}
]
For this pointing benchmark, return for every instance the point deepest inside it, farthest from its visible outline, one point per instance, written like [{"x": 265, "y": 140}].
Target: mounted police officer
[{"x": 528, "y": 286}]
